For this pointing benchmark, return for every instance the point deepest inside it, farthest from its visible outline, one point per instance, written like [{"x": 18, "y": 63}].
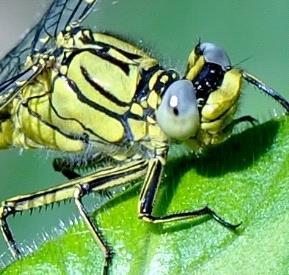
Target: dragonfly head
[{"x": 178, "y": 114}]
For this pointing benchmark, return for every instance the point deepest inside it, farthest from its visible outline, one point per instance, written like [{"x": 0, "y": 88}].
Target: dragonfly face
[
  {"x": 105, "y": 99},
  {"x": 218, "y": 88}
]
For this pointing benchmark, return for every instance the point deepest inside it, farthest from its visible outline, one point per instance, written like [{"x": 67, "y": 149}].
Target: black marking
[
  {"x": 101, "y": 53},
  {"x": 106, "y": 56},
  {"x": 129, "y": 55},
  {"x": 160, "y": 87},
  {"x": 198, "y": 51},
  {"x": 142, "y": 89},
  {"x": 4, "y": 116},
  {"x": 176, "y": 111},
  {"x": 101, "y": 90},
  {"x": 208, "y": 80},
  {"x": 86, "y": 39}
]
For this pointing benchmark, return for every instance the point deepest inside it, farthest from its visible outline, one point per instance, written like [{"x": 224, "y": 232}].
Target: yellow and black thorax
[{"x": 99, "y": 92}]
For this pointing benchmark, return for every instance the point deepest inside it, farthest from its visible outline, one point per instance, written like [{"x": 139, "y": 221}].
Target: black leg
[
  {"x": 80, "y": 191},
  {"x": 8, "y": 236},
  {"x": 148, "y": 196}
]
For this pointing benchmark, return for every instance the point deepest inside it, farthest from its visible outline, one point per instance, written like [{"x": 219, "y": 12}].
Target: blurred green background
[{"x": 255, "y": 31}]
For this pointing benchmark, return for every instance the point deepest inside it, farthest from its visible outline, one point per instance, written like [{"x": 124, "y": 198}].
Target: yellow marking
[
  {"x": 41, "y": 198},
  {"x": 106, "y": 75},
  {"x": 150, "y": 120},
  {"x": 138, "y": 128},
  {"x": 35, "y": 134},
  {"x": 147, "y": 63},
  {"x": 212, "y": 127},
  {"x": 35, "y": 68},
  {"x": 69, "y": 106},
  {"x": 194, "y": 70},
  {"x": 136, "y": 109},
  {"x": 223, "y": 98},
  {"x": 63, "y": 70},
  {"x": 110, "y": 40},
  {"x": 153, "y": 99},
  {"x": 6, "y": 133},
  {"x": 164, "y": 79},
  {"x": 68, "y": 29},
  {"x": 156, "y": 133},
  {"x": 28, "y": 62},
  {"x": 193, "y": 58},
  {"x": 174, "y": 75},
  {"x": 144, "y": 104},
  {"x": 65, "y": 40},
  {"x": 59, "y": 39},
  {"x": 120, "y": 156},
  {"x": 118, "y": 55},
  {"x": 153, "y": 79},
  {"x": 32, "y": 132}
]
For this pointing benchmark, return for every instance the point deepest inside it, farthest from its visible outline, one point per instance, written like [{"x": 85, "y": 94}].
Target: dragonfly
[{"x": 106, "y": 103}]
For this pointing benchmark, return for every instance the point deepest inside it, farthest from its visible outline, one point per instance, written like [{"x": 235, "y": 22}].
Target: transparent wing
[
  {"x": 40, "y": 39},
  {"x": 59, "y": 15}
]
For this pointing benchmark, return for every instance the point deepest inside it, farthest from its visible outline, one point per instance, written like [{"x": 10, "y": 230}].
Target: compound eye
[
  {"x": 215, "y": 54},
  {"x": 178, "y": 114}
]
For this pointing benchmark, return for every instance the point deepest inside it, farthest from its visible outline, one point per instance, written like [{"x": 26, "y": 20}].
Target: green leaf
[{"x": 246, "y": 180}]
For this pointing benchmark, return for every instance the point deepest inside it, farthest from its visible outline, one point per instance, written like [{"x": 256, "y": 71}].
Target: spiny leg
[
  {"x": 7, "y": 234},
  {"x": 148, "y": 196},
  {"x": 63, "y": 166},
  {"x": 100, "y": 180},
  {"x": 81, "y": 191},
  {"x": 266, "y": 89}
]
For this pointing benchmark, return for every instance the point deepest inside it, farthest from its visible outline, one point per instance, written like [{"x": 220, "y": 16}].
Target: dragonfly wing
[{"x": 40, "y": 39}]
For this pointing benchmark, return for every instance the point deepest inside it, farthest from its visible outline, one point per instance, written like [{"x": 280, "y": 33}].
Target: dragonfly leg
[
  {"x": 76, "y": 189},
  {"x": 148, "y": 196},
  {"x": 5, "y": 211},
  {"x": 80, "y": 191}
]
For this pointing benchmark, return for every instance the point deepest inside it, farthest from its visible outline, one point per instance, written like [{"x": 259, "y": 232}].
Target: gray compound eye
[
  {"x": 178, "y": 114},
  {"x": 215, "y": 54}
]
